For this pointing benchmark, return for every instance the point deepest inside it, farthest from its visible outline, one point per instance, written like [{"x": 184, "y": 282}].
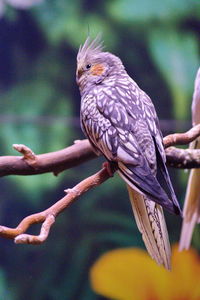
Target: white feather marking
[
  {"x": 124, "y": 156},
  {"x": 104, "y": 147},
  {"x": 131, "y": 147},
  {"x": 128, "y": 96},
  {"x": 108, "y": 92},
  {"x": 113, "y": 120},
  {"x": 108, "y": 141},
  {"x": 121, "y": 131},
  {"x": 122, "y": 93},
  {"x": 124, "y": 169},
  {"x": 111, "y": 131},
  {"x": 122, "y": 137},
  {"x": 118, "y": 115},
  {"x": 125, "y": 117}
]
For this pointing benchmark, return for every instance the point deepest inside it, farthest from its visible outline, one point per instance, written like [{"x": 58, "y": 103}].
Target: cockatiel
[
  {"x": 191, "y": 211},
  {"x": 120, "y": 122}
]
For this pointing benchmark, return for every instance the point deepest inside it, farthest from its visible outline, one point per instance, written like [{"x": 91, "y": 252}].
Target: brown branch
[
  {"x": 182, "y": 138},
  {"x": 56, "y": 162},
  {"x": 47, "y": 217},
  {"x": 80, "y": 152},
  {"x": 74, "y": 155},
  {"x": 183, "y": 158}
]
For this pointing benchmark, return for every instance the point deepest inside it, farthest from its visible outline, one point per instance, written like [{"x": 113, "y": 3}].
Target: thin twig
[
  {"x": 47, "y": 217},
  {"x": 182, "y": 138}
]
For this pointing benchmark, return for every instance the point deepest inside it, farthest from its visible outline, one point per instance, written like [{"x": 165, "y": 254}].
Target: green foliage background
[{"x": 158, "y": 41}]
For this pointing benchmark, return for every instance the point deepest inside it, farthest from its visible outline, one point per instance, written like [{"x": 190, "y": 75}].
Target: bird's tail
[
  {"x": 151, "y": 223},
  {"x": 191, "y": 211}
]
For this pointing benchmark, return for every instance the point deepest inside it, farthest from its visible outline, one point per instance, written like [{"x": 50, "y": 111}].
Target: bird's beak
[{"x": 79, "y": 72}]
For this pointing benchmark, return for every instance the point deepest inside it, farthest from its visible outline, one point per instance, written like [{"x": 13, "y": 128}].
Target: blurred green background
[{"x": 158, "y": 41}]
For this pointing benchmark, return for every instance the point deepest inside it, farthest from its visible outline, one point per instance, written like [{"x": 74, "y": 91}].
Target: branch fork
[
  {"x": 47, "y": 217},
  {"x": 28, "y": 155},
  {"x": 69, "y": 157}
]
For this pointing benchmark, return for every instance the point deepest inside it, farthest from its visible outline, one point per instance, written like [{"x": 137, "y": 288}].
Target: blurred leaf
[
  {"x": 176, "y": 56},
  {"x": 73, "y": 24},
  {"x": 29, "y": 100},
  {"x": 142, "y": 11},
  {"x": 57, "y": 18}
]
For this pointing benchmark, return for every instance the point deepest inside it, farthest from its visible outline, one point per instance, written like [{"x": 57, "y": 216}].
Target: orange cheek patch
[{"x": 97, "y": 69}]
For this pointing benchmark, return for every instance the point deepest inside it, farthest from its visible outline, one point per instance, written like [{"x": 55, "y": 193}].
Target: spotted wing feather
[{"x": 122, "y": 124}]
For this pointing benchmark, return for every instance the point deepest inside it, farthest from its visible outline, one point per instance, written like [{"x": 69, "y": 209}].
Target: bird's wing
[
  {"x": 191, "y": 211},
  {"x": 150, "y": 116},
  {"x": 133, "y": 138},
  {"x": 150, "y": 220},
  {"x": 125, "y": 138}
]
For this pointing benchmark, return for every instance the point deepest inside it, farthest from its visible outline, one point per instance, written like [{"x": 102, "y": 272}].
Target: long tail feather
[{"x": 151, "y": 223}]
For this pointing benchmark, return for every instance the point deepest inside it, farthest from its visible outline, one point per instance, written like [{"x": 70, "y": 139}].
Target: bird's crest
[{"x": 90, "y": 48}]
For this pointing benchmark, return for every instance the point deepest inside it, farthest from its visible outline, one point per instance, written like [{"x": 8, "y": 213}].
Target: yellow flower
[{"x": 130, "y": 274}]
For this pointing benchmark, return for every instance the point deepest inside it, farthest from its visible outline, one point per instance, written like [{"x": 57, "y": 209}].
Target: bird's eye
[{"x": 88, "y": 66}]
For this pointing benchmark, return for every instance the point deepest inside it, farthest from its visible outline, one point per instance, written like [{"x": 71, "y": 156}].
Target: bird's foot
[{"x": 110, "y": 167}]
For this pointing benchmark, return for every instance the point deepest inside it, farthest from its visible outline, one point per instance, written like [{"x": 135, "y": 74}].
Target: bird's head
[{"x": 94, "y": 65}]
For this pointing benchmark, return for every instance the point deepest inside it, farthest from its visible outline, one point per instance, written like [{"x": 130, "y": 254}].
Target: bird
[
  {"x": 191, "y": 209},
  {"x": 120, "y": 122}
]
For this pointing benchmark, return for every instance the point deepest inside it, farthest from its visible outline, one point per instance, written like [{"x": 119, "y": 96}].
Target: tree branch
[
  {"x": 47, "y": 217},
  {"x": 183, "y": 158},
  {"x": 182, "y": 138},
  {"x": 69, "y": 157},
  {"x": 81, "y": 151},
  {"x": 56, "y": 162}
]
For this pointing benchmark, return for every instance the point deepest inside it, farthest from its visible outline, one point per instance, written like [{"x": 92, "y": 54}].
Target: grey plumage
[{"x": 120, "y": 121}]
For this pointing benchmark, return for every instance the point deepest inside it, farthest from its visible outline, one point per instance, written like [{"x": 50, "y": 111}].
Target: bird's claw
[{"x": 110, "y": 168}]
